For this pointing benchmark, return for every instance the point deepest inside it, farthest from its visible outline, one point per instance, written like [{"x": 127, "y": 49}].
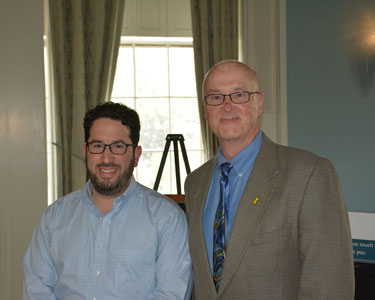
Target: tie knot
[{"x": 225, "y": 169}]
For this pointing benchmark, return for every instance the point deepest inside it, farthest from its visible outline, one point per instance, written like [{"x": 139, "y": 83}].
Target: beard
[{"x": 112, "y": 188}]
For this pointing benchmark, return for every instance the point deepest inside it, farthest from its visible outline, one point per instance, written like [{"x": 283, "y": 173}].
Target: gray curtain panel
[
  {"x": 215, "y": 38},
  {"x": 85, "y": 37}
]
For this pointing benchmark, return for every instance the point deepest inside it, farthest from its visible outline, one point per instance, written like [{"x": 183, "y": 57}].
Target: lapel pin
[{"x": 256, "y": 200}]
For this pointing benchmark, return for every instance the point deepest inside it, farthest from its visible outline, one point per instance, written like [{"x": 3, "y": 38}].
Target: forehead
[
  {"x": 108, "y": 130},
  {"x": 232, "y": 76}
]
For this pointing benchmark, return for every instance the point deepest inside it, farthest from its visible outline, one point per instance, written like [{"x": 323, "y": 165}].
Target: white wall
[
  {"x": 263, "y": 47},
  {"x": 23, "y": 180},
  {"x": 167, "y": 18}
]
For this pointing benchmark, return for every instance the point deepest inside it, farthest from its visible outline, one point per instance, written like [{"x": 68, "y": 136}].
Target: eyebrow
[
  {"x": 218, "y": 92},
  {"x": 100, "y": 141}
]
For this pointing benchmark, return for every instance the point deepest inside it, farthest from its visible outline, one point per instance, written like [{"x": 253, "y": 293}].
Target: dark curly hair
[{"x": 114, "y": 111}]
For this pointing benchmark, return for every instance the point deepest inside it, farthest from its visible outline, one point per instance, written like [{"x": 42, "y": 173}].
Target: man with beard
[{"x": 115, "y": 239}]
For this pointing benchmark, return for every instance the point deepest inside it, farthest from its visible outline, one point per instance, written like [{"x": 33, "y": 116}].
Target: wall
[
  {"x": 23, "y": 171},
  {"x": 328, "y": 113},
  {"x": 330, "y": 110},
  {"x": 262, "y": 46},
  {"x": 167, "y": 18},
  {"x": 23, "y": 181}
]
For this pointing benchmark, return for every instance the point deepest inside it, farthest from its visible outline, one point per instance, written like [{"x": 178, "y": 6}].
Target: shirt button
[{"x": 98, "y": 273}]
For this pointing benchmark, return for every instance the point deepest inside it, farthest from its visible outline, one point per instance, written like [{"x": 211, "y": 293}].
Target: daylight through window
[{"x": 157, "y": 78}]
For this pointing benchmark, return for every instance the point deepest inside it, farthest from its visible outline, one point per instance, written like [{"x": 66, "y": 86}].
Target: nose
[
  {"x": 227, "y": 103},
  {"x": 107, "y": 155}
]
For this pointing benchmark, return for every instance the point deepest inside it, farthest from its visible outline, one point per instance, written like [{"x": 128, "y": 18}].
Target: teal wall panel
[{"x": 331, "y": 90}]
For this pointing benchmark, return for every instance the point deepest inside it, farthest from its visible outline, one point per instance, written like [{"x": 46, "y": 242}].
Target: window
[
  {"x": 156, "y": 77},
  {"x": 51, "y": 145}
]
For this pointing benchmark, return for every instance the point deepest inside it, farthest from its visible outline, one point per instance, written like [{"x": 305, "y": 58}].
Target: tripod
[{"x": 175, "y": 138}]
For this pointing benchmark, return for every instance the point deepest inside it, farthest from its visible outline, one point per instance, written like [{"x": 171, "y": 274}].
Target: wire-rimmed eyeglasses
[
  {"x": 118, "y": 148},
  {"x": 236, "y": 97}
]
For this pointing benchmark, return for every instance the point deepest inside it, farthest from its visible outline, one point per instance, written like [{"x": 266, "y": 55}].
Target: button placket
[{"x": 98, "y": 259}]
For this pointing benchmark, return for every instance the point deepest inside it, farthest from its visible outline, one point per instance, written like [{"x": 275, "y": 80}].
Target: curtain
[
  {"x": 215, "y": 37},
  {"x": 84, "y": 39}
]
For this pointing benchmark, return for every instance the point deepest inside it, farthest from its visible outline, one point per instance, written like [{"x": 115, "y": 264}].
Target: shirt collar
[
  {"x": 125, "y": 195},
  {"x": 245, "y": 157}
]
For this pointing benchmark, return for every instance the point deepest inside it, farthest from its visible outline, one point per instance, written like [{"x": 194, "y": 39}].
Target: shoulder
[
  {"x": 289, "y": 155},
  {"x": 292, "y": 162},
  {"x": 163, "y": 214},
  {"x": 67, "y": 202},
  {"x": 204, "y": 171},
  {"x": 70, "y": 199},
  {"x": 156, "y": 202},
  {"x": 297, "y": 155},
  {"x": 304, "y": 161}
]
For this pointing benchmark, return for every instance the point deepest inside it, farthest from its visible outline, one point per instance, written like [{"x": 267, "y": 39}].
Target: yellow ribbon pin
[{"x": 256, "y": 200}]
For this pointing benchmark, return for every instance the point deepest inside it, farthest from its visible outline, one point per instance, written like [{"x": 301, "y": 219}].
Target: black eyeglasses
[
  {"x": 236, "y": 97},
  {"x": 118, "y": 148}
]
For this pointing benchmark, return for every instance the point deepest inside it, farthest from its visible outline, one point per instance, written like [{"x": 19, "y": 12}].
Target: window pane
[
  {"x": 129, "y": 102},
  {"x": 148, "y": 169},
  {"x": 123, "y": 85},
  {"x": 182, "y": 72},
  {"x": 154, "y": 116},
  {"x": 151, "y": 66},
  {"x": 194, "y": 159},
  {"x": 185, "y": 120},
  {"x": 160, "y": 85}
]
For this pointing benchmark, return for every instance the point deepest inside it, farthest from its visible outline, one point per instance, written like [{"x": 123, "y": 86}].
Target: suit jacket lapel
[
  {"x": 197, "y": 201},
  {"x": 253, "y": 203}
]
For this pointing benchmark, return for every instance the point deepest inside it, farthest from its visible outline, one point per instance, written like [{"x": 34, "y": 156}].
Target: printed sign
[{"x": 364, "y": 250}]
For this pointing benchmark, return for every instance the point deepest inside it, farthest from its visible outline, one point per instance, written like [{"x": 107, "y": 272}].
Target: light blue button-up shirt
[
  {"x": 242, "y": 164},
  {"x": 139, "y": 250}
]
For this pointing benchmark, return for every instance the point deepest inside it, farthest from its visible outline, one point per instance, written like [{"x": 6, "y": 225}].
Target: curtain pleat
[
  {"x": 85, "y": 38},
  {"x": 215, "y": 38}
]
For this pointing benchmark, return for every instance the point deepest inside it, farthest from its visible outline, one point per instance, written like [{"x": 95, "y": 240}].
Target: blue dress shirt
[
  {"x": 139, "y": 250},
  {"x": 242, "y": 164}
]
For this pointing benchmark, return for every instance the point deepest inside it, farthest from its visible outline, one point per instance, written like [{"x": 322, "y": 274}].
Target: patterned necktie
[{"x": 220, "y": 230}]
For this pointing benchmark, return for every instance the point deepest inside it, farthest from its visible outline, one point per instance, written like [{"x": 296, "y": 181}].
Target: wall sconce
[
  {"x": 371, "y": 41},
  {"x": 364, "y": 51}
]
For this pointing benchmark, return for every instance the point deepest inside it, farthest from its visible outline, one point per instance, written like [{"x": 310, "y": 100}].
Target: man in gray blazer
[{"x": 283, "y": 231}]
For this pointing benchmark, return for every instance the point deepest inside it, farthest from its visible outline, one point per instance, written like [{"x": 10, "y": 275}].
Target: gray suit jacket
[{"x": 291, "y": 237}]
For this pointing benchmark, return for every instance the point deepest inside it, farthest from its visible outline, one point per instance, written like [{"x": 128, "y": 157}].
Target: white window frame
[{"x": 134, "y": 41}]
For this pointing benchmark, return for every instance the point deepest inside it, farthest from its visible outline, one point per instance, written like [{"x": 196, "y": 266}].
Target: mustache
[{"x": 107, "y": 165}]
